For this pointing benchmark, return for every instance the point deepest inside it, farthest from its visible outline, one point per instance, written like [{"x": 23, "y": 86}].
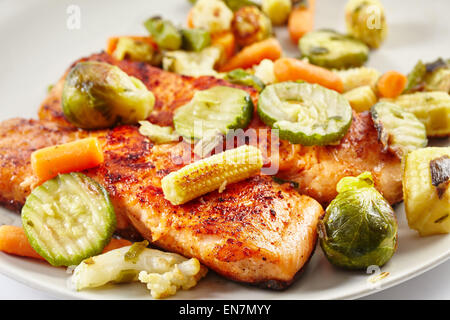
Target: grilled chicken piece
[
  {"x": 316, "y": 169},
  {"x": 265, "y": 237}
]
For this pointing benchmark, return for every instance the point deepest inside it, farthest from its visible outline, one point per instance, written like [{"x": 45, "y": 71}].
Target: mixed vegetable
[{"x": 69, "y": 219}]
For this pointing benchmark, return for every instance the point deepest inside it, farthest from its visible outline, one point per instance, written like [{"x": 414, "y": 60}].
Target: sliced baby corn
[
  {"x": 211, "y": 173},
  {"x": 361, "y": 98}
]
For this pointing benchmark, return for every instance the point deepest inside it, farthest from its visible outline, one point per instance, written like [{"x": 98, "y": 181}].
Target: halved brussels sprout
[
  {"x": 359, "y": 228},
  {"x": 250, "y": 25},
  {"x": 99, "y": 95}
]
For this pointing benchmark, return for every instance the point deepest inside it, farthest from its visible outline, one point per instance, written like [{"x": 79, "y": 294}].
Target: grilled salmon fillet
[
  {"x": 316, "y": 169},
  {"x": 256, "y": 231}
]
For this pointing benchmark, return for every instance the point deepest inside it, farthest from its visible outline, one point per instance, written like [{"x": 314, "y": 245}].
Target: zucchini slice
[
  {"x": 214, "y": 110},
  {"x": 304, "y": 113},
  {"x": 330, "y": 49},
  {"x": 68, "y": 219},
  {"x": 398, "y": 130}
]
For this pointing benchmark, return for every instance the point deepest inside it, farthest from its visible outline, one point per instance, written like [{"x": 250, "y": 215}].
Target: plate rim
[{"x": 66, "y": 293}]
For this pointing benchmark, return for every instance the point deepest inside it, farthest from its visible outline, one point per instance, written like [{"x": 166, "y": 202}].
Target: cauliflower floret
[
  {"x": 264, "y": 72},
  {"x": 211, "y": 15},
  {"x": 192, "y": 63},
  {"x": 184, "y": 275},
  {"x": 163, "y": 272}
]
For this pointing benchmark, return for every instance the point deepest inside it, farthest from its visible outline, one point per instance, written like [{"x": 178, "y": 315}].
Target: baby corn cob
[{"x": 211, "y": 173}]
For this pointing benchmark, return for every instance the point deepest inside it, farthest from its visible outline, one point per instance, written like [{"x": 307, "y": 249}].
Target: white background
[{"x": 421, "y": 25}]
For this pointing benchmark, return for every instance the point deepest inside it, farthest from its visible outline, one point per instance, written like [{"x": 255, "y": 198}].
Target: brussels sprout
[
  {"x": 164, "y": 33},
  {"x": 366, "y": 21},
  {"x": 250, "y": 25},
  {"x": 239, "y": 76},
  {"x": 359, "y": 228},
  {"x": 195, "y": 39},
  {"x": 98, "y": 95},
  {"x": 277, "y": 10}
]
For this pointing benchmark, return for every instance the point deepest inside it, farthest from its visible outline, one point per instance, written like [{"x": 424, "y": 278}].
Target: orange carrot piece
[
  {"x": 190, "y": 19},
  {"x": 13, "y": 240},
  {"x": 254, "y": 54},
  {"x": 226, "y": 40},
  {"x": 290, "y": 69},
  {"x": 75, "y": 156},
  {"x": 111, "y": 45},
  {"x": 301, "y": 21},
  {"x": 391, "y": 84}
]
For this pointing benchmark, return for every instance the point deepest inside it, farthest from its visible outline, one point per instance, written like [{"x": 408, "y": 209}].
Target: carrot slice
[
  {"x": 290, "y": 69},
  {"x": 391, "y": 84},
  {"x": 111, "y": 44},
  {"x": 190, "y": 19},
  {"x": 301, "y": 21},
  {"x": 254, "y": 54},
  {"x": 13, "y": 240},
  {"x": 226, "y": 40},
  {"x": 75, "y": 156}
]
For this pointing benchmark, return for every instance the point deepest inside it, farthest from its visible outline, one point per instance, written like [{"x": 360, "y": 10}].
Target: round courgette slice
[
  {"x": 212, "y": 111},
  {"x": 330, "y": 49},
  {"x": 398, "y": 130},
  {"x": 68, "y": 219},
  {"x": 304, "y": 113}
]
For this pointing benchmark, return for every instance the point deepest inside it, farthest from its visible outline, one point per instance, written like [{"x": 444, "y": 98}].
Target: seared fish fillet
[
  {"x": 316, "y": 169},
  {"x": 256, "y": 231}
]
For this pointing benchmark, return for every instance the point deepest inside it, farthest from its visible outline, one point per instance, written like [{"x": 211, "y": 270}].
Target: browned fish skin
[
  {"x": 265, "y": 237},
  {"x": 316, "y": 169}
]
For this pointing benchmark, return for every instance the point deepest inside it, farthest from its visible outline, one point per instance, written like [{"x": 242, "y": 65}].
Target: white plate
[{"x": 37, "y": 47}]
